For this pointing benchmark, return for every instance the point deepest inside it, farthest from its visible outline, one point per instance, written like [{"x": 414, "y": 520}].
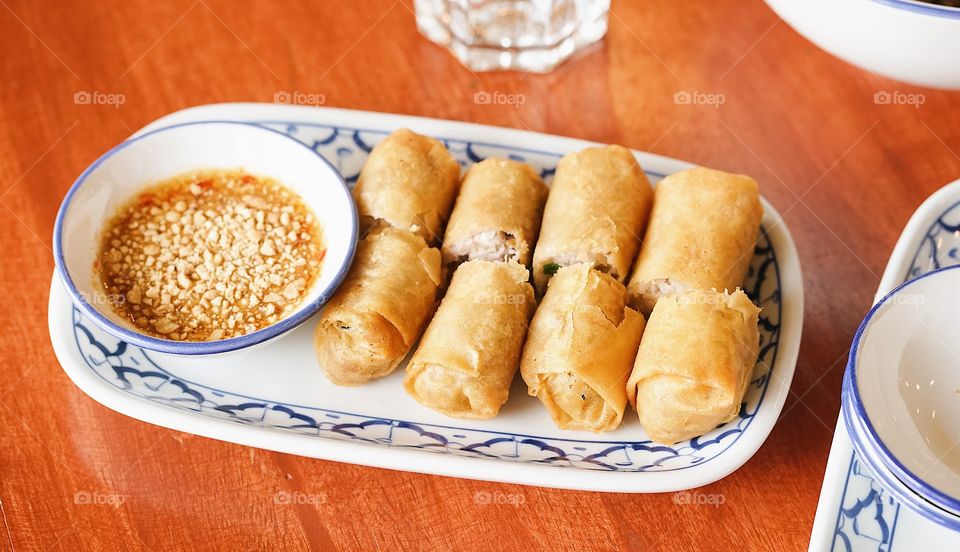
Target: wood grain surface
[{"x": 845, "y": 172}]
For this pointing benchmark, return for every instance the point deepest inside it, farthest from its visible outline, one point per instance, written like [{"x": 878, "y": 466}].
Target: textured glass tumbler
[{"x": 524, "y": 35}]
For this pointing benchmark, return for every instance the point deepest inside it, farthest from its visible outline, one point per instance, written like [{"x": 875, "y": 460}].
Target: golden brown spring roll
[
  {"x": 701, "y": 235},
  {"x": 596, "y": 213},
  {"x": 580, "y": 349},
  {"x": 471, "y": 350},
  {"x": 409, "y": 181},
  {"x": 694, "y": 364},
  {"x": 497, "y": 214},
  {"x": 381, "y": 308}
]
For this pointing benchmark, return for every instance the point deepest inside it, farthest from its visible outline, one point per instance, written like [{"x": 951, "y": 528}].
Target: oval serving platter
[{"x": 277, "y": 398}]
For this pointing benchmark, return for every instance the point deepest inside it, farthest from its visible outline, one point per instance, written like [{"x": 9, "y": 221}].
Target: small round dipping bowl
[
  {"x": 121, "y": 173},
  {"x": 901, "y": 391}
]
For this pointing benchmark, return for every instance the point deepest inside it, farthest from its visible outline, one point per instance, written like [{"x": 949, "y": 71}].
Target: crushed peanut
[{"x": 210, "y": 255}]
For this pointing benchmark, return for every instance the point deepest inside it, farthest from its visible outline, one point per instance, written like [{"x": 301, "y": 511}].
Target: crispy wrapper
[
  {"x": 596, "y": 213},
  {"x": 381, "y": 308},
  {"x": 694, "y": 364},
  {"x": 497, "y": 214},
  {"x": 580, "y": 349},
  {"x": 471, "y": 349},
  {"x": 409, "y": 182},
  {"x": 701, "y": 235}
]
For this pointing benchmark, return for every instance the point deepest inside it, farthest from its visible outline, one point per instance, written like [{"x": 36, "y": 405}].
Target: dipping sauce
[{"x": 209, "y": 255}]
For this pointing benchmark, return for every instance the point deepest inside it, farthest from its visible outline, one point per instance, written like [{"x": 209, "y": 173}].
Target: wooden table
[{"x": 845, "y": 172}]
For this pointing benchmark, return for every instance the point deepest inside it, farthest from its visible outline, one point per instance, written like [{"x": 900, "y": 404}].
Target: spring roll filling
[
  {"x": 647, "y": 293},
  {"x": 552, "y": 264},
  {"x": 492, "y": 245}
]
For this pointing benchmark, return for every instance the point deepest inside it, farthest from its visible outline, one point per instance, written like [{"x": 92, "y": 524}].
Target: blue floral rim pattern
[{"x": 134, "y": 371}]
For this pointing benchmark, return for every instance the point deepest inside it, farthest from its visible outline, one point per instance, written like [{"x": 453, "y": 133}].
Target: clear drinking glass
[{"x": 525, "y": 35}]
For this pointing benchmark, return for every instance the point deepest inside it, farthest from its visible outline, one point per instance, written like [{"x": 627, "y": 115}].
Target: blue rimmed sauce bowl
[{"x": 123, "y": 172}]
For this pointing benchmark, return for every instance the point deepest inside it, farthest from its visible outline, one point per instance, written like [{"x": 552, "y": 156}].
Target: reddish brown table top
[{"x": 845, "y": 172}]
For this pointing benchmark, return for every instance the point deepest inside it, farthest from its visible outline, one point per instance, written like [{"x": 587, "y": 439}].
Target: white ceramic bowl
[
  {"x": 871, "y": 457},
  {"x": 122, "y": 172},
  {"x": 902, "y": 387},
  {"x": 906, "y": 40}
]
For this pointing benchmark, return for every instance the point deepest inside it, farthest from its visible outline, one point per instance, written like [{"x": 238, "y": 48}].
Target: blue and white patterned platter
[
  {"x": 855, "y": 514},
  {"x": 277, "y": 398}
]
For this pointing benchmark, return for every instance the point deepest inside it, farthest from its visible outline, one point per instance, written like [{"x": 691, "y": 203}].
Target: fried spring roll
[
  {"x": 497, "y": 214},
  {"x": 471, "y": 349},
  {"x": 409, "y": 181},
  {"x": 596, "y": 213},
  {"x": 701, "y": 235},
  {"x": 580, "y": 349},
  {"x": 381, "y": 308},
  {"x": 694, "y": 364}
]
